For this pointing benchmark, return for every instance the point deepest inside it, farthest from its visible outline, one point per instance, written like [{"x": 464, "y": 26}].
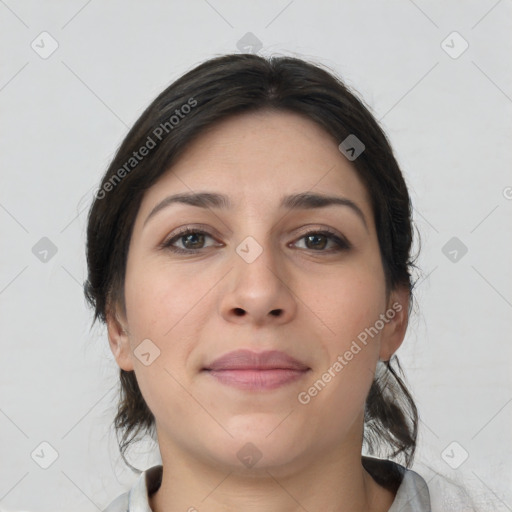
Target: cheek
[
  {"x": 347, "y": 302},
  {"x": 162, "y": 306},
  {"x": 336, "y": 394},
  {"x": 159, "y": 300}
]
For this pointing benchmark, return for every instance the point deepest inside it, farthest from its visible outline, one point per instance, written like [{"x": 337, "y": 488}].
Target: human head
[{"x": 215, "y": 91}]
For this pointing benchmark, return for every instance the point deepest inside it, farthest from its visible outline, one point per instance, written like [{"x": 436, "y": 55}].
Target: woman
[{"x": 249, "y": 252}]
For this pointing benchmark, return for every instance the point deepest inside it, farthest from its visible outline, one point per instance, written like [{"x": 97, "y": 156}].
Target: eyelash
[{"x": 343, "y": 244}]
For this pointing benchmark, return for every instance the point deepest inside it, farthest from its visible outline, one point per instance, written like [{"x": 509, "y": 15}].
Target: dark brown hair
[{"x": 214, "y": 90}]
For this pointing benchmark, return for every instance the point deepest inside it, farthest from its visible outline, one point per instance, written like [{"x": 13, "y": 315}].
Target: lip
[
  {"x": 244, "y": 359},
  {"x": 257, "y": 371}
]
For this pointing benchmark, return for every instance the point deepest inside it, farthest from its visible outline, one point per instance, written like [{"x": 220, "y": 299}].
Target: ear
[
  {"x": 397, "y": 315},
  {"x": 118, "y": 338}
]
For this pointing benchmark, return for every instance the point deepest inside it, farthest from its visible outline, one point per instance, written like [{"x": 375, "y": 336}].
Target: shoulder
[
  {"x": 120, "y": 504},
  {"x": 413, "y": 494},
  {"x": 137, "y": 498},
  {"x": 448, "y": 494},
  {"x": 424, "y": 489},
  {"x": 410, "y": 489}
]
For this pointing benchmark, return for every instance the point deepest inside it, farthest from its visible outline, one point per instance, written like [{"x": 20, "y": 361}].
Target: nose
[{"x": 258, "y": 291}]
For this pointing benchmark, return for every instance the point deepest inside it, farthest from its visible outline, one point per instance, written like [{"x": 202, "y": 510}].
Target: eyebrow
[{"x": 304, "y": 200}]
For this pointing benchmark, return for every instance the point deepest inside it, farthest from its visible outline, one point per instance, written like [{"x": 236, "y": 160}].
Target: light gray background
[{"x": 449, "y": 120}]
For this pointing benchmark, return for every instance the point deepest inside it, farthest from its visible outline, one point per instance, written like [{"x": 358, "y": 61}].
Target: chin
[{"x": 260, "y": 447}]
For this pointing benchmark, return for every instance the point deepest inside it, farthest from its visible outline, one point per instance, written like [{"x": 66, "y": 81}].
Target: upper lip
[{"x": 248, "y": 360}]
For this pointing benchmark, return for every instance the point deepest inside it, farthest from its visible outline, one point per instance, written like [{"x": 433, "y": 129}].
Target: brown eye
[
  {"x": 318, "y": 241},
  {"x": 191, "y": 240}
]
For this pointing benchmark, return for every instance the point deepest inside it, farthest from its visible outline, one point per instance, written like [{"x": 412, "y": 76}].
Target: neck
[{"x": 331, "y": 483}]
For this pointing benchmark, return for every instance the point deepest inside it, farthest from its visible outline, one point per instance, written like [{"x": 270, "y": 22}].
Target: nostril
[{"x": 241, "y": 312}]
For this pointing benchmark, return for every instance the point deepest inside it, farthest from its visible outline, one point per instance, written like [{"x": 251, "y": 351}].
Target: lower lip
[{"x": 257, "y": 380}]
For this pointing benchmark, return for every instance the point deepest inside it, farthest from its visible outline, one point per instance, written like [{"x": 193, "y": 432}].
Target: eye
[
  {"x": 318, "y": 240},
  {"x": 192, "y": 241}
]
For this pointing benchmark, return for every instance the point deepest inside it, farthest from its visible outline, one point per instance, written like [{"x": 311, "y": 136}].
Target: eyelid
[
  {"x": 333, "y": 235},
  {"x": 182, "y": 231},
  {"x": 318, "y": 228},
  {"x": 338, "y": 238}
]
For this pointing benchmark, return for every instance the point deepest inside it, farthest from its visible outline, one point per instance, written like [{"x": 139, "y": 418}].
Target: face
[{"x": 258, "y": 274}]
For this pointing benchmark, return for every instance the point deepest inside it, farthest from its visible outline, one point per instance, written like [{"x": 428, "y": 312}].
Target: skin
[{"x": 197, "y": 307}]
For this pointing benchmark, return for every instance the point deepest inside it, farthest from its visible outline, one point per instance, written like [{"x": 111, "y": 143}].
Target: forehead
[{"x": 256, "y": 158}]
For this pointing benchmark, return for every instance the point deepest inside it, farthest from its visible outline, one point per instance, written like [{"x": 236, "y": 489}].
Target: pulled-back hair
[{"x": 213, "y": 91}]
